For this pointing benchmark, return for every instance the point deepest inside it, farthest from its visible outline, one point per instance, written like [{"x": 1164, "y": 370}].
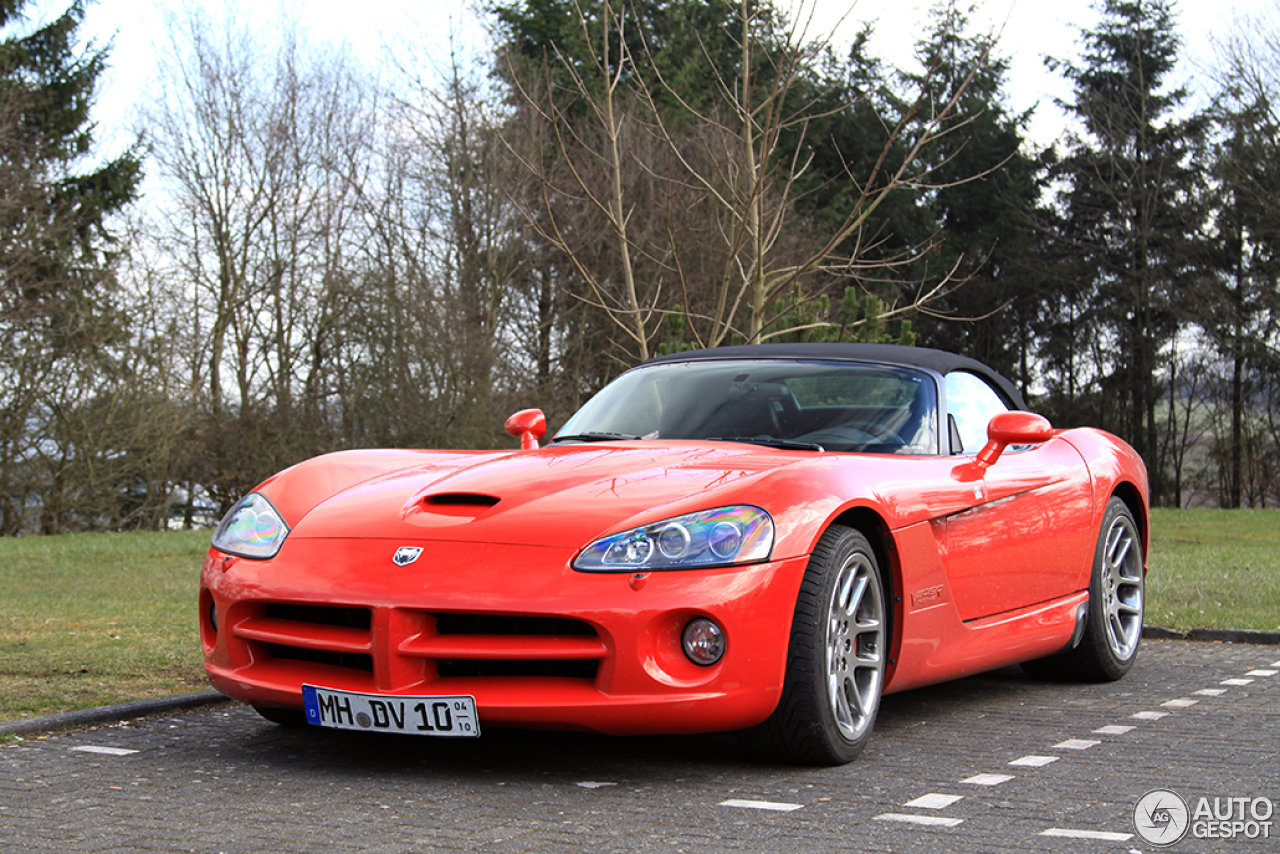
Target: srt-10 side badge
[
  {"x": 927, "y": 595},
  {"x": 406, "y": 555}
]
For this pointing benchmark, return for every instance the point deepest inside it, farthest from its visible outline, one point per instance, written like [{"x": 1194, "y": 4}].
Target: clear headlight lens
[
  {"x": 720, "y": 537},
  {"x": 252, "y": 528}
]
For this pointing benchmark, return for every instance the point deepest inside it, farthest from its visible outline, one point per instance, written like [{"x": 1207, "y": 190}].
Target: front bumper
[{"x": 536, "y": 644}]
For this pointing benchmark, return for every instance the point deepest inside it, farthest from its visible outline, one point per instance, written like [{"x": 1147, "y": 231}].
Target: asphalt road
[{"x": 995, "y": 763}]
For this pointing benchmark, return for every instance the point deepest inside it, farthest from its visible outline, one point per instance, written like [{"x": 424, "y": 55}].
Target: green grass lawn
[
  {"x": 94, "y": 619},
  {"x": 1216, "y": 569}
]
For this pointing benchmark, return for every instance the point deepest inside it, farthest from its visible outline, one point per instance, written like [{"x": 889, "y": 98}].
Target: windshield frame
[{"x": 729, "y": 400}]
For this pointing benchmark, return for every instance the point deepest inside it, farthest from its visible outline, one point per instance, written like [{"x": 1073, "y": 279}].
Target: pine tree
[
  {"x": 1128, "y": 209},
  {"x": 986, "y": 225},
  {"x": 1240, "y": 311},
  {"x": 52, "y": 217},
  {"x": 54, "y": 259}
]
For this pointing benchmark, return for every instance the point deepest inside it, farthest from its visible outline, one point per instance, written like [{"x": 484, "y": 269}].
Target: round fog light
[{"x": 703, "y": 642}]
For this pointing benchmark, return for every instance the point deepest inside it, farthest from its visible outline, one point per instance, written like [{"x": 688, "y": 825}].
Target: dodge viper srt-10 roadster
[{"x": 762, "y": 539}]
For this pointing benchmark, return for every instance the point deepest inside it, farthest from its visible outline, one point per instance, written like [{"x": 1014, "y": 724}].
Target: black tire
[
  {"x": 282, "y": 716},
  {"x": 1117, "y": 595},
  {"x": 835, "y": 660}
]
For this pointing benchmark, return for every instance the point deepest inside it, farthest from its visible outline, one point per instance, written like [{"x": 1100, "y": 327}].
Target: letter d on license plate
[{"x": 447, "y": 716}]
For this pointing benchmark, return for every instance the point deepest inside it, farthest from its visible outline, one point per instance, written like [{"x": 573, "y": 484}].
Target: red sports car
[{"x": 762, "y": 539}]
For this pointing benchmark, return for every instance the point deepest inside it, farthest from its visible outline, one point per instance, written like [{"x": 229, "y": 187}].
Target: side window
[{"x": 972, "y": 403}]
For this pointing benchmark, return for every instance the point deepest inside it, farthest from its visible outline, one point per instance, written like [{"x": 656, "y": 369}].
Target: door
[
  {"x": 1030, "y": 541},
  {"x": 1029, "y": 538}
]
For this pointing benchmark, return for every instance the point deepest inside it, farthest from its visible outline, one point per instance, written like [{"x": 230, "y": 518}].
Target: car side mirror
[
  {"x": 1013, "y": 428},
  {"x": 527, "y": 425}
]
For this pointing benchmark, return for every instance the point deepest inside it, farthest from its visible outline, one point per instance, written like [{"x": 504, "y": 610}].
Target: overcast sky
[{"x": 1030, "y": 30}]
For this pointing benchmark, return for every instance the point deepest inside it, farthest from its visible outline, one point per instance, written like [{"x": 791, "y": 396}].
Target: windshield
[{"x": 836, "y": 405}]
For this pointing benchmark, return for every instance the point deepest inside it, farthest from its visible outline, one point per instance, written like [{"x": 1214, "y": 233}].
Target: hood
[{"x": 555, "y": 496}]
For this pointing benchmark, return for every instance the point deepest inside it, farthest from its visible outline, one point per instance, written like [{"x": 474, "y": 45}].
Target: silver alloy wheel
[
  {"x": 1122, "y": 588},
  {"x": 855, "y": 641}
]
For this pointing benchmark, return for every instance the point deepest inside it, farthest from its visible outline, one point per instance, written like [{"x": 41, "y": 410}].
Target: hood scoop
[
  {"x": 448, "y": 508},
  {"x": 446, "y": 502}
]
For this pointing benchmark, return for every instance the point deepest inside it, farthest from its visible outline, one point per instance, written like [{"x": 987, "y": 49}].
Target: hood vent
[{"x": 460, "y": 499}]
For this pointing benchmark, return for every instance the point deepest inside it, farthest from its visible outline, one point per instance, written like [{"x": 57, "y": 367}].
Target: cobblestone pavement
[{"x": 994, "y": 763}]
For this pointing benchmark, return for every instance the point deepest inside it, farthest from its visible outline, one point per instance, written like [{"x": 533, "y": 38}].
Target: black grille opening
[
  {"x": 323, "y": 615},
  {"x": 573, "y": 669},
  {"x": 501, "y": 624},
  {"x": 347, "y": 660}
]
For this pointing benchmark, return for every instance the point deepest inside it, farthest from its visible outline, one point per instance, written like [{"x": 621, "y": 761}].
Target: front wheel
[
  {"x": 1117, "y": 595},
  {"x": 836, "y": 657}
]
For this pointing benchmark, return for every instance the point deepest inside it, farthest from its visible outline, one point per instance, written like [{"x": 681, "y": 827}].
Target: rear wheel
[
  {"x": 836, "y": 657},
  {"x": 1117, "y": 595}
]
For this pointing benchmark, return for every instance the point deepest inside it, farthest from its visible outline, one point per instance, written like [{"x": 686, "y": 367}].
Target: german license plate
[{"x": 444, "y": 716}]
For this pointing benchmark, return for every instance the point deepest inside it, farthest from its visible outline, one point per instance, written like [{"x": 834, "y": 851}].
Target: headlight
[
  {"x": 252, "y": 528},
  {"x": 721, "y": 537}
]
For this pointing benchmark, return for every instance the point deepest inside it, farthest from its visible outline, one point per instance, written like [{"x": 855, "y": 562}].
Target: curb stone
[
  {"x": 161, "y": 705},
  {"x": 1254, "y": 636},
  {"x": 102, "y": 714}
]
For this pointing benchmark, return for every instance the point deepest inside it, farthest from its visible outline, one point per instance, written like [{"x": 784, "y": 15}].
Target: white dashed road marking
[
  {"x": 105, "y": 751},
  {"x": 1076, "y": 744},
  {"x": 934, "y": 801},
  {"x": 1113, "y": 729},
  {"x": 1034, "y": 761},
  {"x": 1181, "y": 703},
  {"x": 1149, "y": 716},
  {"x": 988, "y": 779},
  {"x": 760, "y": 805}
]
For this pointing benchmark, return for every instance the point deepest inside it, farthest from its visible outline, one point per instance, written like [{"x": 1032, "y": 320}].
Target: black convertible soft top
[{"x": 939, "y": 361}]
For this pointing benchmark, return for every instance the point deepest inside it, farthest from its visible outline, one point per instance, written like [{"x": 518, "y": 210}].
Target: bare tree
[
  {"x": 589, "y": 174},
  {"x": 700, "y": 198},
  {"x": 257, "y": 147},
  {"x": 445, "y": 219}
]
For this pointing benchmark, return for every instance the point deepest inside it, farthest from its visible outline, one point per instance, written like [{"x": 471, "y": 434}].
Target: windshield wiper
[
  {"x": 595, "y": 437},
  {"x": 770, "y": 442}
]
